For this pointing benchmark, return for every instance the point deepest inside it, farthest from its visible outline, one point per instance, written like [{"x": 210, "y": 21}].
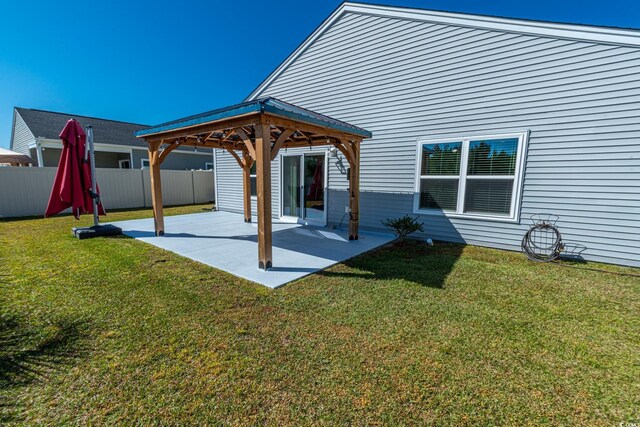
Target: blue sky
[{"x": 149, "y": 62}]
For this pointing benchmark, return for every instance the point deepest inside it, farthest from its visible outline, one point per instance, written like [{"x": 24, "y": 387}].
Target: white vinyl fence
[{"x": 25, "y": 191}]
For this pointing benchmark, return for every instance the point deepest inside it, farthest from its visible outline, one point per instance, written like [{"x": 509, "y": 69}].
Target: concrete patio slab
[{"x": 224, "y": 241}]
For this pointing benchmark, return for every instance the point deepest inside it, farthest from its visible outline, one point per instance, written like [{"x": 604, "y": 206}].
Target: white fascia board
[
  {"x": 182, "y": 151},
  {"x": 110, "y": 148},
  {"x": 296, "y": 53},
  {"x": 617, "y": 36},
  {"x": 589, "y": 33},
  {"x": 13, "y": 129}
]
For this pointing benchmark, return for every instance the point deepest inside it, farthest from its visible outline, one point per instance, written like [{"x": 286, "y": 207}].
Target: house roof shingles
[{"x": 48, "y": 124}]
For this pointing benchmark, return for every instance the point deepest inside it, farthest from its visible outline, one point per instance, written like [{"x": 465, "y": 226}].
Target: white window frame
[
  {"x": 142, "y": 163},
  {"x": 516, "y": 196},
  {"x": 325, "y": 184},
  {"x": 206, "y": 166},
  {"x": 122, "y": 161}
]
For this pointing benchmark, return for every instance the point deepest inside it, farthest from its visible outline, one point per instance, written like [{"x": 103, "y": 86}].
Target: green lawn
[{"x": 108, "y": 331}]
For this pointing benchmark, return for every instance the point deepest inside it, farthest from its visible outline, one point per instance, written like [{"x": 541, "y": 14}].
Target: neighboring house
[
  {"x": 478, "y": 123},
  {"x": 35, "y": 133}
]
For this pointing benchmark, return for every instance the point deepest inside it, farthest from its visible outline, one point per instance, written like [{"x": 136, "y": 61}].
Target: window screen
[{"x": 440, "y": 161}]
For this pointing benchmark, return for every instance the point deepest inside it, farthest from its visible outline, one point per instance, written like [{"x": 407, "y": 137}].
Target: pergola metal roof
[{"x": 261, "y": 105}]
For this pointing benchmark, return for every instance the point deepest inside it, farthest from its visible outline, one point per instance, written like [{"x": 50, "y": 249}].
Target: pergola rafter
[{"x": 253, "y": 133}]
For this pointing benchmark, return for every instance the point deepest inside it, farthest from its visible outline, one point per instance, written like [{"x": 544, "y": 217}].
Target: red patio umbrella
[{"x": 72, "y": 184}]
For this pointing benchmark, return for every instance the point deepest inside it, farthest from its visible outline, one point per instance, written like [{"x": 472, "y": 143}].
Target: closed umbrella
[
  {"x": 75, "y": 184},
  {"x": 72, "y": 184}
]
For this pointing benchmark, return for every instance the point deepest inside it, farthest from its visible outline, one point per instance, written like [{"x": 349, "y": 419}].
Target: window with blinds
[
  {"x": 471, "y": 176},
  {"x": 440, "y": 176}
]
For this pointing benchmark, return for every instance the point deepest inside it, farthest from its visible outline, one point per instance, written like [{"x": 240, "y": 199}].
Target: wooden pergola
[{"x": 254, "y": 132}]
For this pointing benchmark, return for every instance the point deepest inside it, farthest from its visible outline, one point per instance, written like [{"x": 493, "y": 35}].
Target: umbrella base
[{"x": 95, "y": 231}]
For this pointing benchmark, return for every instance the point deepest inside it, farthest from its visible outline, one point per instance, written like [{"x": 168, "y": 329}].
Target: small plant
[{"x": 403, "y": 226}]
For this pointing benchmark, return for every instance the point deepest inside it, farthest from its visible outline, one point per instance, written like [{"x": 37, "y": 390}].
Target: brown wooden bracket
[
  {"x": 247, "y": 142},
  {"x": 346, "y": 149},
  {"x": 247, "y": 160},
  {"x": 348, "y": 145},
  {"x": 163, "y": 155},
  {"x": 281, "y": 139},
  {"x": 235, "y": 155}
]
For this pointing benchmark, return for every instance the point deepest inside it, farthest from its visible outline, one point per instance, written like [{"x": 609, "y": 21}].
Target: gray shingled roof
[{"x": 48, "y": 124}]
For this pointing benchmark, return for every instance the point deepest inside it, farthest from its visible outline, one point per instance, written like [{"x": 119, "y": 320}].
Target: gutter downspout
[
  {"x": 215, "y": 179},
  {"x": 39, "y": 152}
]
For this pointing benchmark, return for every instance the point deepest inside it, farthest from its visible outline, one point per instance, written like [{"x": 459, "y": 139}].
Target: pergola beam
[
  {"x": 309, "y": 128},
  {"x": 226, "y": 137},
  {"x": 220, "y": 126},
  {"x": 290, "y": 141}
]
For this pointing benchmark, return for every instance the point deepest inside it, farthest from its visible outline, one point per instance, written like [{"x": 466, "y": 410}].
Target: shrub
[{"x": 403, "y": 226}]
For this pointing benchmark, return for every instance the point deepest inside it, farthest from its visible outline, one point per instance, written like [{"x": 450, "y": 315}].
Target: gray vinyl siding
[
  {"x": 228, "y": 183},
  {"x": 404, "y": 79},
  {"x": 21, "y": 136}
]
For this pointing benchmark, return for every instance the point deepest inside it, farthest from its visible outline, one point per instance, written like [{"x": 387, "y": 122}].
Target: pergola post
[
  {"x": 354, "y": 192},
  {"x": 156, "y": 187},
  {"x": 263, "y": 178},
  {"x": 247, "y": 162}
]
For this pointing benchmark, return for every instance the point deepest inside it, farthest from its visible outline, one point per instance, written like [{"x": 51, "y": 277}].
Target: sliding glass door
[
  {"x": 314, "y": 188},
  {"x": 303, "y": 187},
  {"x": 291, "y": 187}
]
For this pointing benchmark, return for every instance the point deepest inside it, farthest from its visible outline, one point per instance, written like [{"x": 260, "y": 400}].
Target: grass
[{"x": 114, "y": 331}]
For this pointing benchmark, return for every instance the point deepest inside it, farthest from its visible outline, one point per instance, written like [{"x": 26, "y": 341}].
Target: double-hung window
[{"x": 471, "y": 177}]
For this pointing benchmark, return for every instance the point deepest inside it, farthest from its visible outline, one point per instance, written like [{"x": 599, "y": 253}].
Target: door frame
[{"x": 301, "y": 219}]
